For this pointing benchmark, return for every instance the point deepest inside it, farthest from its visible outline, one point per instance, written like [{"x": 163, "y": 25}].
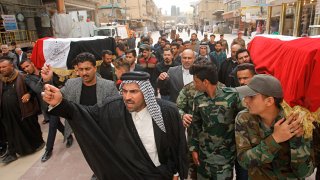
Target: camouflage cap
[{"x": 263, "y": 84}]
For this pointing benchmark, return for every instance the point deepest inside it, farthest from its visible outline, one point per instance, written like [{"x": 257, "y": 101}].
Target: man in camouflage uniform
[
  {"x": 239, "y": 40},
  {"x": 224, "y": 43},
  {"x": 269, "y": 145},
  {"x": 212, "y": 141},
  {"x": 185, "y": 104}
]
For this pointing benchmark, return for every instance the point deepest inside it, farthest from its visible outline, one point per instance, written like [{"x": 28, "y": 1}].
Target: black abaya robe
[
  {"x": 111, "y": 144},
  {"x": 24, "y": 135}
]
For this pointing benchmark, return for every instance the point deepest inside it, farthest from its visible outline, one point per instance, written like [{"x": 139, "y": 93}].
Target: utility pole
[
  {"x": 125, "y": 11},
  {"x": 112, "y": 16},
  {"x": 61, "y": 8},
  {"x": 194, "y": 15}
]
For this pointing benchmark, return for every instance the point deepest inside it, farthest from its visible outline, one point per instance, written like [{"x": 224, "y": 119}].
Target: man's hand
[
  {"x": 195, "y": 158},
  {"x": 46, "y": 72},
  {"x": 298, "y": 126},
  {"x": 163, "y": 76},
  {"x": 186, "y": 119},
  {"x": 25, "y": 98},
  {"x": 51, "y": 95},
  {"x": 285, "y": 129}
]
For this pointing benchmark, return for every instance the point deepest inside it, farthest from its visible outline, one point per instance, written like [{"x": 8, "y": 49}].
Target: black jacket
[
  {"x": 160, "y": 68},
  {"x": 111, "y": 144},
  {"x": 225, "y": 73}
]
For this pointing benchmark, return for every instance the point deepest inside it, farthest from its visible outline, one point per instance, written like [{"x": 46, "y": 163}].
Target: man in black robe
[
  {"x": 130, "y": 137},
  {"x": 18, "y": 113}
]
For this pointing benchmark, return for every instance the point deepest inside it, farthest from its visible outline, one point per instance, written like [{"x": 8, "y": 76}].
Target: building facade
[
  {"x": 27, "y": 16},
  {"x": 137, "y": 13},
  {"x": 245, "y": 15},
  {"x": 208, "y": 13},
  {"x": 33, "y": 17},
  {"x": 285, "y": 17},
  {"x": 294, "y": 17}
]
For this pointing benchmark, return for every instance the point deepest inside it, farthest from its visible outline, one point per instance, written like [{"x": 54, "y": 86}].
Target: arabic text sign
[{"x": 9, "y": 22}]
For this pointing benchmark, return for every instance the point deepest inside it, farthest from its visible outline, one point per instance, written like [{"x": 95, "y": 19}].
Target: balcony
[{"x": 22, "y": 37}]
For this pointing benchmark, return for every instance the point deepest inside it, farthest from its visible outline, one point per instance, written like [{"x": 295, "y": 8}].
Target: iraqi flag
[
  {"x": 60, "y": 52},
  {"x": 295, "y": 62}
]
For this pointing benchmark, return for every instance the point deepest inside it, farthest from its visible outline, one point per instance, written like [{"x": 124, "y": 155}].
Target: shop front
[
  {"x": 232, "y": 21},
  {"x": 23, "y": 23},
  {"x": 294, "y": 18}
]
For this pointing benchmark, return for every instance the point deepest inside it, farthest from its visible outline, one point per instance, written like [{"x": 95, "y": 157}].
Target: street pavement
[{"x": 66, "y": 163}]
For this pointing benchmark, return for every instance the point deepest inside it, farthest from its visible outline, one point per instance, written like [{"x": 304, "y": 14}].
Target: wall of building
[{"x": 205, "y": 10}]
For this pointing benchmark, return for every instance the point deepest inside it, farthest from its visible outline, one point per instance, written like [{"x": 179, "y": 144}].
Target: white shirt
[
  {"x": 187, "y": 77},
  {"x": 143, "y": 122},
  {"x": 20, "y": 57}
]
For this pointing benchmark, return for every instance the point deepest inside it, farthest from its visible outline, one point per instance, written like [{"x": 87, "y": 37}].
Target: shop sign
[{"x": 9, "y": 22}]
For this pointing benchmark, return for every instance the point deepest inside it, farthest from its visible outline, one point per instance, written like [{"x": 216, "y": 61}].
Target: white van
[{"x": 112, "y": 31}]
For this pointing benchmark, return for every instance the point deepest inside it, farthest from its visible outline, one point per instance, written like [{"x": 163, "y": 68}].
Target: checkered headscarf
[{"x": 150, "y": 99}]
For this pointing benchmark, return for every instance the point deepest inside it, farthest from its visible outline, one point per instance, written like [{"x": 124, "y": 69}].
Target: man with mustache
[
  {"x": 130, "y": 137},
  {"x": 33, "y": 79},
  {"x": 148, "y": 61},
  {"x": 88, "y": 89},
  {"x": 218, "y": 56},
  {"x": 131, "y": 57},
  {"x": 175, "y": 49},
  {"x": 105, "y": 69},
  {"x": 163, "y": 67},
  {"x": 18, "y": 113},
  {"x": 245, "y": 73}
]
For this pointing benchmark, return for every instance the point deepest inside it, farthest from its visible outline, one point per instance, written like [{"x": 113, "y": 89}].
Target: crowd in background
[{"x": 223, "y": 131}]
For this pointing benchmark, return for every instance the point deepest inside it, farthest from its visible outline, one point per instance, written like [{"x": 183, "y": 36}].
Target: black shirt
[
  {"x": 137, "y": 67},
  {"x": 212, "y": 46},
  {"x": 225, "y": 73},
  {"x": 160, "y": 68},
  {"x": 88, "y": 95},
  {"x": 106, "y": 71},
  {"x": 177, "y": 60}
]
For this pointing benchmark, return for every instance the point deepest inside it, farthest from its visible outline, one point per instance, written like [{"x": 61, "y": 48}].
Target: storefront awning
[
  {"x": 228, "y": 15},
  {"x": 218, "y": 12},
  {"x": 110, "y": 6}
]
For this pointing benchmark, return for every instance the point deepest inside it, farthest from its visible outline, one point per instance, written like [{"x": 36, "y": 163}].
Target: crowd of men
[{"x": 213, "y": 113}]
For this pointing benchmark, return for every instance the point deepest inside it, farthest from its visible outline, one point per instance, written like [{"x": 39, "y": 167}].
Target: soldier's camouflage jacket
[
  {"x": 185, "y": 99},
  {"x": 213, "y": 127},
  {"x": 264, "y": 158}
]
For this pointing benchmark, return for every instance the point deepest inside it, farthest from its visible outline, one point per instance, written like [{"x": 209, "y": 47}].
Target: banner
[{"x": 9, "y": 22}]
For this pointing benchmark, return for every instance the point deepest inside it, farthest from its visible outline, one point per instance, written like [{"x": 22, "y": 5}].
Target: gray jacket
[{"x": 72, "y": 92}]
